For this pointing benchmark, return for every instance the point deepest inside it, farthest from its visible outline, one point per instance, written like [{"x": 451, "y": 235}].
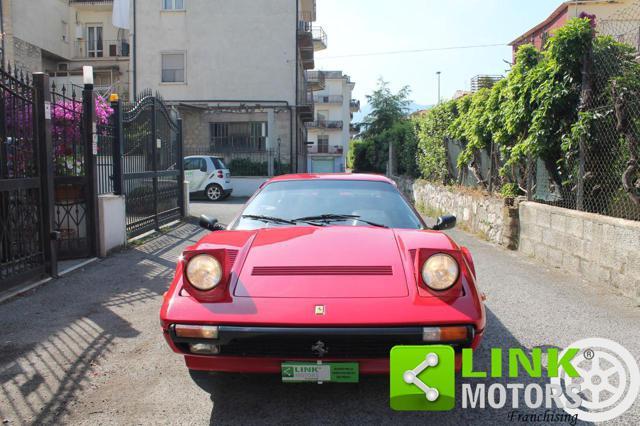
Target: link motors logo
[
  {"x": 609, "y": 380},
  {"x": 593, "y": 380}
]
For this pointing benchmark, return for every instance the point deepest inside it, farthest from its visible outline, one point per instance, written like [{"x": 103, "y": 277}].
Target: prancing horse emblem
[
  {"x": 319, "y": 349},
  {"x": 320, "y": 310}
]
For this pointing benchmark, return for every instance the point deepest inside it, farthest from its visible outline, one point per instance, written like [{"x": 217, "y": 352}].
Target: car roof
[
  {"x": 332, "y": 176},
  {"x": 203, "y": 156}
]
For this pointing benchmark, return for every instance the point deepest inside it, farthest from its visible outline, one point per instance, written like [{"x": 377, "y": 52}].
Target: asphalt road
[{"x": 87, "y": 348}]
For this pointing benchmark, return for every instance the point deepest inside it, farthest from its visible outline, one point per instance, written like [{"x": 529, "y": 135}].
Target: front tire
[{"x": 214, "y": 192}]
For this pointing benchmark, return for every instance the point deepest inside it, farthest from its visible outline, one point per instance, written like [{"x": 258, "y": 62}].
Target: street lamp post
[{"x": 438, "y": 74}]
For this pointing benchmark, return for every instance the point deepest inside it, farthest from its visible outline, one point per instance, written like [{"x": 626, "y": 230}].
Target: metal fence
[
  {"x": 75, "y": 210},
  {"x": 147, "y": 159},
  {"x": 104, "y": 159},
  {"x": 21, "y": 228},
  {"x": 600, "y": 173}
]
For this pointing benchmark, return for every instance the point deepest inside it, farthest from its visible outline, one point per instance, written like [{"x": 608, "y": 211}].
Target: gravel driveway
[{"x": 87, "y": 348}]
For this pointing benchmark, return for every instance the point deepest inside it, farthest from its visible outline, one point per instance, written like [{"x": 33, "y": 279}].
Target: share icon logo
[
  {"x": 411, "y": 376},
  {"x": 422, "y": 378}
]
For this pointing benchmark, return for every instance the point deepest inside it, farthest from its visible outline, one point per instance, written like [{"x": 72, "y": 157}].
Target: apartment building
[
  {"x": 331, "y": 130},
  {"x": 235, "y": 71},
  {"x": 61, "y": 36}
]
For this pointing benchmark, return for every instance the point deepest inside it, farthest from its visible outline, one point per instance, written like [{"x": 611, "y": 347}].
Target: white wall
[
  {"x": 39, "y": 22},
  {"x": 240, "y": 49}
]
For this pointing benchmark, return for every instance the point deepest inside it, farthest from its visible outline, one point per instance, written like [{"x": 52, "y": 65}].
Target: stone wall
[
  {"x": 26, "y": 56},
  {"x": 601, "y": 249},
  {"x": 405, "y": 185},
  {"x": 493, "y": 218}
]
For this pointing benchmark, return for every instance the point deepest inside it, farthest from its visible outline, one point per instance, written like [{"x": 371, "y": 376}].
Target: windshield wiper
[
  {"x": 337, "y": 218},
  {"x": 268, "y": 219}
]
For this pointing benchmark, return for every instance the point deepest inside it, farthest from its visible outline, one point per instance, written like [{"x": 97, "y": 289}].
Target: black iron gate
[
  {"x": 74, "y": 166},
  {"x": 147, "y": 162},
  {"x": 25, "y": 250}
]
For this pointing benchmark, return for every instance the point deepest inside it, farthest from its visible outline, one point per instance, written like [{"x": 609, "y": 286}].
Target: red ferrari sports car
[{"x": 321, "y": 269}]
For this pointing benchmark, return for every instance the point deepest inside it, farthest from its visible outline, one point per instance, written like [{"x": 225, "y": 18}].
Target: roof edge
[{"x": 563, "y": 7}]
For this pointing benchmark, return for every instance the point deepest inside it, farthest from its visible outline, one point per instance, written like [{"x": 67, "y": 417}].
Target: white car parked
[{"x": 209, "y": 176}]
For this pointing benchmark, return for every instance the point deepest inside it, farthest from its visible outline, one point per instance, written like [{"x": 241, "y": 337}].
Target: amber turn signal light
[
  {"x": 445, "y": 334},
  {"x": 196, "y": 331}
]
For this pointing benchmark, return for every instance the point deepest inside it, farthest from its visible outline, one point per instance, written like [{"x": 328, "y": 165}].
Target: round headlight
[
  {"x": 204, "y": 272},
  {"x": 440, "y": 271}
]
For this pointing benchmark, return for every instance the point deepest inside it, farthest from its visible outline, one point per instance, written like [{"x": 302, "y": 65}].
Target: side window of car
[
  {"x": 191, "y": 164},
  {"x": 203, "y": 165}
]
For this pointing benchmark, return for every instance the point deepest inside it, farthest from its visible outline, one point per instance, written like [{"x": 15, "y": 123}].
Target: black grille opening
[{"x": 332, "y": 347}]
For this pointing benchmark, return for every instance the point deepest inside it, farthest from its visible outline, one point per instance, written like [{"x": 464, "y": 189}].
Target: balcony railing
[
  {"x": 319, "y": 37},
  {"x": 325, "y": 124},
  {"x": 354, "y": 105},
  {"x": 315, "y": 80},
  {"x": 325, "y": 149},
  {"x": 107, "y": 49},
  {"x": 90, "y": 1},
  {"x": 328, "y": 99}
]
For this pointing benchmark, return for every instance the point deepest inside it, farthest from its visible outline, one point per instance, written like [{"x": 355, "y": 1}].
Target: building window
[
  {"x": 173, "y": 4},
  {"x": 94, "y": 41},
  {"x": 238, "y": 137},
  {"x": 323, "y": 144},
  {"x": 173, "y": 68}
]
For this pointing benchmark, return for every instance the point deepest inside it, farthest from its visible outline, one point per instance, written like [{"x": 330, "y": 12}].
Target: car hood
[{"x": 323, "y": 262}]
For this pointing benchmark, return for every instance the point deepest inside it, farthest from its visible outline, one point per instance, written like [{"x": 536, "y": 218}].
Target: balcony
[
  {"x": 305, "y": 105},
  {"x": 328, "y": 99},
  {"x": 310, "y": 39},
  {"x": 106, "y": 49},
  {"x": 325, "y": 149},
  {"x": 305, "y": 43},
  {"x": 325, "y": 124},
  {"x": 354, "y": 104},
  {"x": 319, "y": 37},
  {"x": 101, "y": 5},
  {"x": 315, "y": 80},
  {"x": 354, "y": 129}
]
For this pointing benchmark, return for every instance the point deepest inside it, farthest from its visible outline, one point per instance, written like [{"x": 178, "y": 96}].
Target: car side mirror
[
  {"x": 209, "y": 223},
  {"x": 445, "y": 222}
]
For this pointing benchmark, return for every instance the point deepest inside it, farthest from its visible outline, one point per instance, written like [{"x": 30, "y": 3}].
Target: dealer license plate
[{"x": 301, "y": 372}]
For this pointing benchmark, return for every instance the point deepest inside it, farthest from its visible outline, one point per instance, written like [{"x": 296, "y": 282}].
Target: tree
[
  {"x": 386, "y": 108},
  {"x": 382, "y": 127}
]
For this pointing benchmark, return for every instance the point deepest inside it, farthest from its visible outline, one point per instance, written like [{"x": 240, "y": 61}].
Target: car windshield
[{"x": 326, "y": 203}]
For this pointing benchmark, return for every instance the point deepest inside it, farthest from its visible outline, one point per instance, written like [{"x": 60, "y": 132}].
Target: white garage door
[{"x": 322, "y": 166}]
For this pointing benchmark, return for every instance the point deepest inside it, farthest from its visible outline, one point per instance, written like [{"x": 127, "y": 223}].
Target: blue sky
[{"x": 363, "y": 26}]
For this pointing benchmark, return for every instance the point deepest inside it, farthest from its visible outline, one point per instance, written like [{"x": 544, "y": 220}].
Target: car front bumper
[{"x": 264, "y": 349}]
